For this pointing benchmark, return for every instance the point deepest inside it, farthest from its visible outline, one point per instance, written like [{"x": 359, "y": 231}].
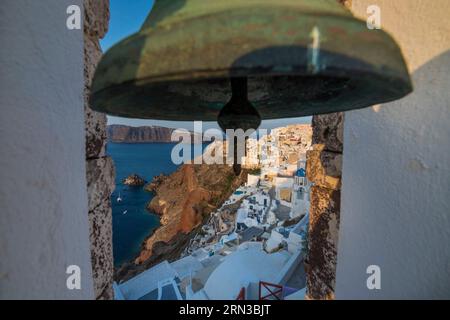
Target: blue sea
[{"x": 132, "y": 222}]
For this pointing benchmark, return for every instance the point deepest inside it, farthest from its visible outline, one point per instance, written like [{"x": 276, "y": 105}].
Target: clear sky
[{"x": 126, "y": 18}]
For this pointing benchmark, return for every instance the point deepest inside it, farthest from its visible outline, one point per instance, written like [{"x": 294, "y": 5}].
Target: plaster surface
[
  {"x": 43, "y": 221},
  {"x": 395, "y": 209}
]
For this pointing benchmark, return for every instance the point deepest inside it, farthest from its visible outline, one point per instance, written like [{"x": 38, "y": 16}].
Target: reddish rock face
[{"x": 184, "y": 199}]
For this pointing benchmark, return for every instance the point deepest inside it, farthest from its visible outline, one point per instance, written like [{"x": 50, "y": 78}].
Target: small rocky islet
[{"x": 134, "y": 181}]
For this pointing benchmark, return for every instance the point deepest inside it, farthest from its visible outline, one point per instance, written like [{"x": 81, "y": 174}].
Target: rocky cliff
[{"x": 184, "y": 201}]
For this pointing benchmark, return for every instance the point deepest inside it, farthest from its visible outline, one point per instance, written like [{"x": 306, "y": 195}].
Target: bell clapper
[{"x": 238, "y": 113}]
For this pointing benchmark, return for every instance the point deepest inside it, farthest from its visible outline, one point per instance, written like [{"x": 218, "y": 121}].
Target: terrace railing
[{"x": 270, "y": 291}]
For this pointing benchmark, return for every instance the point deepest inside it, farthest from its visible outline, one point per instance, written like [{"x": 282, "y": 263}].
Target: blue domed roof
[{"x": 301, "y": 173}]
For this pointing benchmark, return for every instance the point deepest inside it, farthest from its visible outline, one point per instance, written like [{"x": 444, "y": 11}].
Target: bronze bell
[{"x": 246, "y": 61}]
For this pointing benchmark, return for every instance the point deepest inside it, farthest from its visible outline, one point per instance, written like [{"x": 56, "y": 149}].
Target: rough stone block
[
  {"x": 323, "y": 240},
  {"x": 328, "y": 131},
  {"x": 100, "y": 219},
  {"x": 96, "y": 17},
  {"x": 95, "y": 130},
  {"x": 100, "y": 181},
  {"x": 92, "y": 55},
  {"x": 324, "y": 168},
  {"x": 100, "y": 178},
  {"x": 317, "y": 289},
  {"x": 100, "y": 169},
  {"x": 95, "y": 122}
]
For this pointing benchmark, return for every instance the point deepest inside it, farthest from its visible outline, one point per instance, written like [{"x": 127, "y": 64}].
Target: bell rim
[{"x": 406, "y": 89}]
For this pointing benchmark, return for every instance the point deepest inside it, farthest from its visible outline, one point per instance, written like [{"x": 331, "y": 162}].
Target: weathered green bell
[{"x": 295, "y": 57}]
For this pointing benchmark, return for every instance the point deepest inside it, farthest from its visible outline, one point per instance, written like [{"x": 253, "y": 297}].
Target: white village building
[{"x": 236, "y": 271}]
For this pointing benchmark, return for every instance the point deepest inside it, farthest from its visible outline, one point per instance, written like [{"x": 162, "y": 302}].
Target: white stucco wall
[
  {"x": 395, "y": 210},
  {"x": 43, "y": 218}
]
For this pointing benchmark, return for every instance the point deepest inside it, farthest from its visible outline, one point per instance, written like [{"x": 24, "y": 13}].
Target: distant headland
[{"x": 146, "y": 134}]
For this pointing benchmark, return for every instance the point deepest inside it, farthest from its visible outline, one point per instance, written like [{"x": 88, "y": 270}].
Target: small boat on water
[
  {"x": 119, "y": 198},
  {"x": 125, "y": 212}
]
